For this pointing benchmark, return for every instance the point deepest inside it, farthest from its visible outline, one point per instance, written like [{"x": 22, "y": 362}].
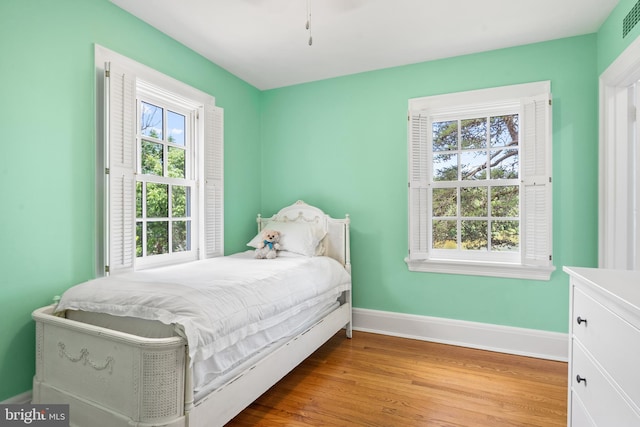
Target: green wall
[
  {"x": 610, "y": 41},
  {"x": 338, "y": 143},
  {"x": 47, "y": 161},
  {"x": 342, "y": 144}
]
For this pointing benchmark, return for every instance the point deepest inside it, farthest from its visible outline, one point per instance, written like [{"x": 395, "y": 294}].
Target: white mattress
[{"x": 228, "y": 308}]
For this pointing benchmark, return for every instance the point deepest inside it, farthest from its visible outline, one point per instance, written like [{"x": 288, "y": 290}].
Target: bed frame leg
[
  {"x": 188, "y": 383},
  {"x": 349, "y": 326},
  {"x": 347, "y": 262}
]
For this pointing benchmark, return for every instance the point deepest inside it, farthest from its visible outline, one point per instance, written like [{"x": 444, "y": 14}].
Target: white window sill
[{"x": 493, "y": 269}]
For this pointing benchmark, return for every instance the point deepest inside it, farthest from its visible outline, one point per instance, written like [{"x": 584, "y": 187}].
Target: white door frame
[{"x": 618, "y": 162}]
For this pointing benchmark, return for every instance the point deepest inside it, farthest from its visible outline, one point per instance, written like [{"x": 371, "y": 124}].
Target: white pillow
[{"x": 297, "y": 237}]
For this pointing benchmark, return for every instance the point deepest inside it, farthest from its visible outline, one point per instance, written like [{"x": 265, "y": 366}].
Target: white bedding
[
  {"x": 219, "y": 301},
  {"x": 222, "y": 367}
]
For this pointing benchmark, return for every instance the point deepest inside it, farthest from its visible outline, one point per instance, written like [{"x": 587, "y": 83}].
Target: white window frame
[
  {"x": 118, "y": 79},
  {"x": 149, "y": 93},
  {"x": 533, "y": 102}
]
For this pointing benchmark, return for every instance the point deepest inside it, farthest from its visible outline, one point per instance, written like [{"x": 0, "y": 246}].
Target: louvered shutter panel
[
  {"x": 213, "y": 181},
  {"x": 536, "y": 232},
  {"x": 120, "y": 163},
  {"x": 418, "y": 186}
]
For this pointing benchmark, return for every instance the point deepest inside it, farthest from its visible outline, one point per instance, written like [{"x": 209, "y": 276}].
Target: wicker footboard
[
  {"x": 115, "y": 379},
  {"x": 109, "y": 378}
]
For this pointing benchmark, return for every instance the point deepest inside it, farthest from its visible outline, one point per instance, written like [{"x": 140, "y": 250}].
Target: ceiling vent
[{"x": 631, "y": 19}]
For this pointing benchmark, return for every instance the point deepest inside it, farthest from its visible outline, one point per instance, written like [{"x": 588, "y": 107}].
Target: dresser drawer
[
  {"x": 602, "y": 401},
  {"x": 614, "y": 343},
  {"x": 579, "y": 416}
]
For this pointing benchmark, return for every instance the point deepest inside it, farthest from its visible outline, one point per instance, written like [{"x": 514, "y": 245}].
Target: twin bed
[{"x": 192, "y": 345}]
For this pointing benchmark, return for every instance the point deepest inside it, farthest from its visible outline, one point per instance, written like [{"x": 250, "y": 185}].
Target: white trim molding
[
  {"x": 474, "y": 268},
  {"x": 504, "y": 339},
  {"x": 619, "y": 237},
  {"x": 19, "y": 399}
]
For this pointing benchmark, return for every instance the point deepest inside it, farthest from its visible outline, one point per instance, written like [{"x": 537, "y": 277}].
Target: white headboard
[{"x": 337, "y": 242}]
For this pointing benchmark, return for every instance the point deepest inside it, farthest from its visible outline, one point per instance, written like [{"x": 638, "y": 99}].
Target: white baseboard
[
  {"x": 485, "y": 336},
  {"x": 20, "y": 399}
]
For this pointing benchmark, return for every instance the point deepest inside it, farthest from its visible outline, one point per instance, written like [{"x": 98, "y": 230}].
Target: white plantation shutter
[
  {"x": 126, "y": 83},
  {"x": 120, "y": 93},
  {"x": 536, "y": 233},
  {"x": 418, "y": 185},
  {"x": 213, "y": 181},
  {"x": 533, "y": 103}
]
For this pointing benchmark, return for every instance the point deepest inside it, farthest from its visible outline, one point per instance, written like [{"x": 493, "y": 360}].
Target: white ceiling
[{"x": 265, "y": 43}]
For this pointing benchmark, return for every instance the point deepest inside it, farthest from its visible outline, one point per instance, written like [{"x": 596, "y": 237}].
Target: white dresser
[{"x": 604, "y": 348}]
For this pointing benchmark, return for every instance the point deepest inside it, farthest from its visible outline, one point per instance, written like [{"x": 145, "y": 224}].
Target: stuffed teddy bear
[{"x": 269, "y": 246}]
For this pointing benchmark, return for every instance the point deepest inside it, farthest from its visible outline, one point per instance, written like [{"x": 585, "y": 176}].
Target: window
[
  {"x": 163, "y": 169},
  {"x": 480, "y": 182},
  {"x": 474, "y": 184},
  {"x": 165, "y": 179}
]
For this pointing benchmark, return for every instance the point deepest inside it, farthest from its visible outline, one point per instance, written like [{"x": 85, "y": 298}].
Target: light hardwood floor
[{"x": 377, "y": 380}]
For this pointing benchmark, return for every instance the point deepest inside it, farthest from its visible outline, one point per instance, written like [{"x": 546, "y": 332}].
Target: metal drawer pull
[
  {"x": 580, "y": 379},
  {"x": 580, "y": 320}
]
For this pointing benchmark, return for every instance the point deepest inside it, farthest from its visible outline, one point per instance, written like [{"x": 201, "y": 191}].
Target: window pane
[
  {"x": 176, "y": 162},
  {"x": 473, "y": 165},
  {"x": 474, "y": 133},
  {"x": 474, "y": 201},
  {"x": 505, "y": 164},
  {"x": 445, "y": 167},
  {"x": 151, "y": 120},
  {"x": 138, "y": 199},
  {"x": 445, "y": 136},
  {"x": 180, "y": 201},
  {"x": 138, "y": 239},
  {"x": 175, "y": 128},
  {"x": 474, "y": 235},
  {"x": 180, "y": 236},
  {"x": 505, "y": 236},
  {"x": 152, "y": 161},
  {"x": 505, "y": 201},
  {"x": 445, "y": 234},
  {"x": 504, "y": 130},
  {"x": 157, "y": 200},
  {"x": 157, "y": 237},
  {"x": 444, "y": 202}
]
